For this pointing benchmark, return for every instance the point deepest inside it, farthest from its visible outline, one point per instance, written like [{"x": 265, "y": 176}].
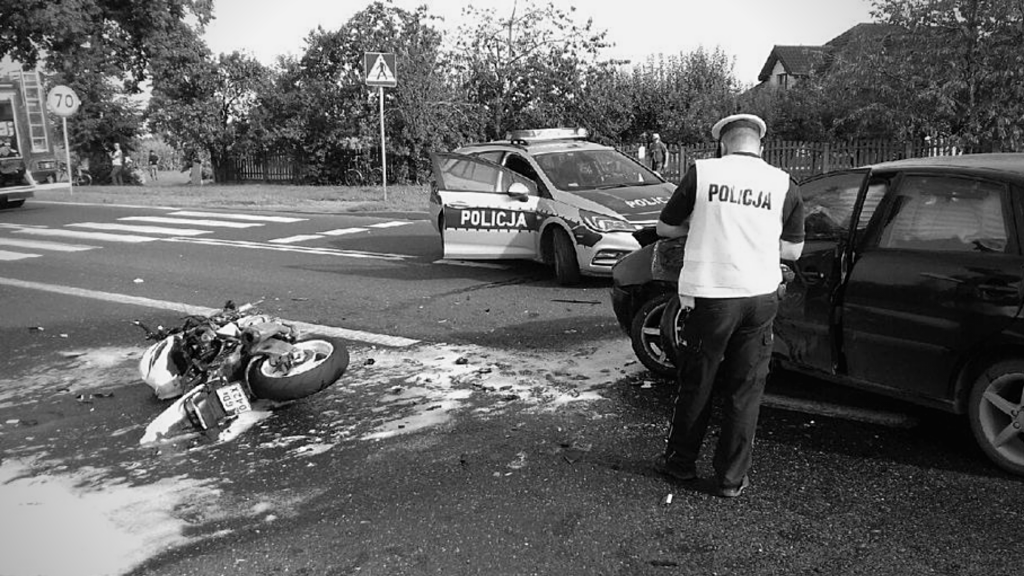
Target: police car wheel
[{"x": 567, "y": 268}]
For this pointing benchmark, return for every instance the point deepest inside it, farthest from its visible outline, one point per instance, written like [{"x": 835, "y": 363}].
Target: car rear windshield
[{"x": 594, "y": 169}]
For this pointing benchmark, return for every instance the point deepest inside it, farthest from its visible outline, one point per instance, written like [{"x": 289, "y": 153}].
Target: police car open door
[{"x": 488, "y": 212}]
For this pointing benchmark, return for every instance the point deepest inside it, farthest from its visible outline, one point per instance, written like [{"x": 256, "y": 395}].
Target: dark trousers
[{"x": 740, "y": 331}]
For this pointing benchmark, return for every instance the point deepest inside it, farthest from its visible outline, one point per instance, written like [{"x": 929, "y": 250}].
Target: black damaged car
[{"x": 911, "y": 284}]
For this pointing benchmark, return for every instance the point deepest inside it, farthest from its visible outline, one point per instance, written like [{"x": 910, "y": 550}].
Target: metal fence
[
  {"x": 266, "y": 168},
  {"x": 800, "y": 159},
  {"x": 805, "y": 159}
]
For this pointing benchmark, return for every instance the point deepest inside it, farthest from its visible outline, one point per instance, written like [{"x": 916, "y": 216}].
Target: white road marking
[
  {"x": 141, "y": 229},
  {"x": 344, "y": 231},
  {"x": 12, "y": 256},
  {"x": 293, "y": 239},
  {"x": 390, "y": 224},
  {"x": 98, "y": 236},
  {"x": 44, "y": 245},
  {"x": 281, "y": 219},
  {"x": 355, "y": 335},
  {"x": 470, "y": 264},
  {"x": 190, "y": 222},
  {"x": 8, "y": 225},
  {"x": 284, "y": 248}
]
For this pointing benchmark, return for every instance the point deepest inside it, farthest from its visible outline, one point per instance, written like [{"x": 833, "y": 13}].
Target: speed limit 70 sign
[{"x": 62, "y": 101}]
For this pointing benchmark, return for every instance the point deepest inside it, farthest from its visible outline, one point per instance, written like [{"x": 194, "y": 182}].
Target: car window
[
  {"x": 829, "y": 203},
  {"x": 491, "y": 156},
  {"x": 945, "y": 213},
  {"x": 574, "y": 170},
  {"x": 473, "y": 174},
  {"x": 520, "y": 165}
]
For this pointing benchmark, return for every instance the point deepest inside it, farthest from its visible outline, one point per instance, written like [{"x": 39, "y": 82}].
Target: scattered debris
[
  {"x": 666, "y": 500},
  {"x": 138, "y": 280},
  {"x": 462, "y": 360},
  {"x": 519, "y": 462},
  {"x": 37, "y": 328},
  {"x": 72, "y": 353},
  {"x": 369, "y": 362},
  {"x": 591, "y": 302}
]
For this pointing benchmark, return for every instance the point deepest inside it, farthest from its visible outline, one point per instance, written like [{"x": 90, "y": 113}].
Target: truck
[{"x": 27, "y": 149}]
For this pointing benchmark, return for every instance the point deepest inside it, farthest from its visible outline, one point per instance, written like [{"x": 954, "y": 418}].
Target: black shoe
[
  {"x": 733, "y": 491},
  {"x": 676, "y": 469}
]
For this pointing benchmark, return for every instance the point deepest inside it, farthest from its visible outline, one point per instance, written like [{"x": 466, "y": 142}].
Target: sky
[{"x": 743, "y": 29}]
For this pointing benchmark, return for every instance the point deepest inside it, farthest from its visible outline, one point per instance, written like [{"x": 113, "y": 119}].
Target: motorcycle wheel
[{"x": 327, "y": 361}]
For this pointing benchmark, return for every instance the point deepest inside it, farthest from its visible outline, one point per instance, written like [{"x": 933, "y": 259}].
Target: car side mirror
[{"x": 519, "y": 191}]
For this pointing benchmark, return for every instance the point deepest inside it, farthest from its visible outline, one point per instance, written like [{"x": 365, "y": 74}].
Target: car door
[
  {"x": 489, "y": 212},
  {"x": 939, "y": 274},
  {"x": 805, "y": 326}
]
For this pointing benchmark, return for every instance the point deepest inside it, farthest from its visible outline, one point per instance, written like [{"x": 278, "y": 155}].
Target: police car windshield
[{"x": 593, "y": 169}]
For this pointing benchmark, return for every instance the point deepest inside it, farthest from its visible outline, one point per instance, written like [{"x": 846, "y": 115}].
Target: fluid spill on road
[{"x": 80, "y": 520}]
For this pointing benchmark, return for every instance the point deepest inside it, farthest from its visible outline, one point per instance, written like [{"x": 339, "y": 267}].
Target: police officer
[{"x": 740, "y": 216}]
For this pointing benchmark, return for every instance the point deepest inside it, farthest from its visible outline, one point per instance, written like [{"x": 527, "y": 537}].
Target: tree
[
  {"x": 940, "y": 68},
  {"x": 682, "y": 96},
  {"x": 113, "y": 37},
  {"x": 532, "y": 68},
  {"x": 204, "y": 104},
  {"x": 321, "y": 108}
]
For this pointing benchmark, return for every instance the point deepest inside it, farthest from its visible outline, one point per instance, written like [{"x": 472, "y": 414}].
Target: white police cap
[{"x": 716, "y": 130}]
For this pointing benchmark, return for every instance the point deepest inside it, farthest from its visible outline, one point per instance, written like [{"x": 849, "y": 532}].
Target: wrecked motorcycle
[{"x": 219, "y": 364}]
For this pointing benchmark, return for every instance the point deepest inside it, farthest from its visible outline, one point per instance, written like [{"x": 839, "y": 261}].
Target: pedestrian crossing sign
[{"x": 380, "y": 69}]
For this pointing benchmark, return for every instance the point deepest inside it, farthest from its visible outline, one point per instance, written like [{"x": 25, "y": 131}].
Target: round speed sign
[{"x": 62, "y": 101}]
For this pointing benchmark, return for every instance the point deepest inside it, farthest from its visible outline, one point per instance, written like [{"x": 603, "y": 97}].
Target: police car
[{"x": 547, "y": 195}]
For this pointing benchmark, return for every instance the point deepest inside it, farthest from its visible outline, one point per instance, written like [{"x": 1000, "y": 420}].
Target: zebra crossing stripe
[
  {"x": 281, "y": 219},
  {"x": 141, "y": 229},
  {"x": 44, "y": 245},
  {"x": 343, "y": 231},
  {"x": 97, "y": 236},
  {"x": 293, "y": 239},
  {"x": 298, "y": 249},
  {"x": 6, "y": 256},
  {"x": 191, "y": 222},
  {"x": 390, "y": 224}
]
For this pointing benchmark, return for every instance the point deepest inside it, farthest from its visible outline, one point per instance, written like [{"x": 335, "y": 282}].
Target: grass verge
[{"x": 314, "y": 199}]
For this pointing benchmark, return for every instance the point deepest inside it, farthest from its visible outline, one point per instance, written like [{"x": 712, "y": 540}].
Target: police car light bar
[{"x": 547, "y": 134}]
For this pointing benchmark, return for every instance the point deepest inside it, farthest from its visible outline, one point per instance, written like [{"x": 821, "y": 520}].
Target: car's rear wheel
[
  {"x": 996, "y": 412},
  {"x": 645, "y": 335},
  {"x": 567, "y": 268}
]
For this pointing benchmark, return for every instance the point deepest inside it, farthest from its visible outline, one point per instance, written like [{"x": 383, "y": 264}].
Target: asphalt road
[{"x": 490, "y": 423}]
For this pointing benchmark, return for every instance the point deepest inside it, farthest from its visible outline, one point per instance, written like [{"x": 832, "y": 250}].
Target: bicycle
[
  {"x": 82, "y": 176},
  {"x": 363, "y": 173}
]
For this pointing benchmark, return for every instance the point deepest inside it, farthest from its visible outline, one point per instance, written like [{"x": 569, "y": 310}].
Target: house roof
[
  {"x": 802, "y": 60},
  {"x": 797, "y": 60}
]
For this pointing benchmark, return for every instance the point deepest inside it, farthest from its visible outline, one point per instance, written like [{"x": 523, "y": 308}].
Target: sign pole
[
  {"x": 383, "y": 157},
  {"x": 67, "y": 156}
]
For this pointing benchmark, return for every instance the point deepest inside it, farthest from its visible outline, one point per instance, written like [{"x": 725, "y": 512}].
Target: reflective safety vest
[{"x": 732, "y": 249}]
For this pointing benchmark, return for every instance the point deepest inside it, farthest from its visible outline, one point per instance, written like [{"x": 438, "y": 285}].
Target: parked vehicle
[
  {"x": 911, "y": 284},
  {"x": 545, "y": 195},
  {"x": 218, "y": 364},
  {"x": 25, "y": 123}
]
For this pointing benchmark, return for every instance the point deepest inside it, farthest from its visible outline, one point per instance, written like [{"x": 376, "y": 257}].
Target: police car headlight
[{"x": 601, "y": 223}]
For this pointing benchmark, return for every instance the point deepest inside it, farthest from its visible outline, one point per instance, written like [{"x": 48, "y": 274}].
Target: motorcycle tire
[{"x": 327, "y": 365}]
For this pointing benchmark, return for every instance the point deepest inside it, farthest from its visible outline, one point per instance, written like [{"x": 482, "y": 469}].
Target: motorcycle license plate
[{"x": 233, "y": 399}]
